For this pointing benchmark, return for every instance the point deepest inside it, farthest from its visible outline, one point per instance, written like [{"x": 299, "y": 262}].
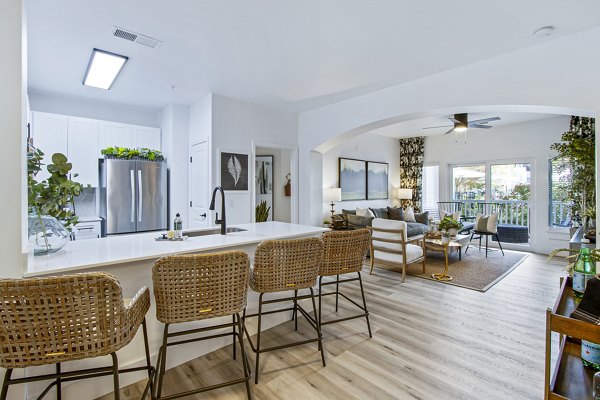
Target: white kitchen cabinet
[
  {"x": 115, "y": 134},
  {"x": 49, "y": 133},
  {"x": 144, "y": 136},
  {"x": 83, "y": 139}
]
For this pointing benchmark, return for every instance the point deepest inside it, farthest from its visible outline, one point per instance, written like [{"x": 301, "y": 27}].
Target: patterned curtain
[{"x": 412, "y": 151}]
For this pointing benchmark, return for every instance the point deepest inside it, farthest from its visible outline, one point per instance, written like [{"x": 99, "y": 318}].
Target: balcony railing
[
  {"x": 510, "y": 212},
  {"x": 560, "y": 213}
]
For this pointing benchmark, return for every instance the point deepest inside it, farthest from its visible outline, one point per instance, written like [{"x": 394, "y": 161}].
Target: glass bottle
[
  {"x": 596, "y": 387},
  {"x": 177, "y": 226},
  {"x": 583, "y": 271}
]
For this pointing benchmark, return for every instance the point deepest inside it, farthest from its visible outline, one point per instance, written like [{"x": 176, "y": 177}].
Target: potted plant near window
[
  {"x": 450, "y": 226},
  {"x": 50, "y": 217}
]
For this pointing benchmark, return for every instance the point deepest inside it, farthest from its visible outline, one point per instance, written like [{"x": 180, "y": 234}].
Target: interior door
[
  {"x": 199, "y": 185},
  {"x": 151, "y": 180}
]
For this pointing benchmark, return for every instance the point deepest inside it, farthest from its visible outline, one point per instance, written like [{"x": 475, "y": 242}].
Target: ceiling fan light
[{"x": 460, "y": 128}]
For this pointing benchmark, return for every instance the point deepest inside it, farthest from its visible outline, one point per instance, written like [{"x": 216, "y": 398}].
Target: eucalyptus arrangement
[
  {"x": 127, "y": 153},
  {"x": 53, "y": 195},
  {"x": 262, "y": 212},
  {"x": 449, "y": 223}
]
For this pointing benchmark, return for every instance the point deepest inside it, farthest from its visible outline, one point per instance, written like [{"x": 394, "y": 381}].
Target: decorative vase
[
  {"x": 452, "y": 232},
  {"x": 46, "y": 234},
  {"x": 446, "y": 240}
]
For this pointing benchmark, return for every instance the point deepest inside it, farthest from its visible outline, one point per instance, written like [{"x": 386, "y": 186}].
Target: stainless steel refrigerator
[{"x": 133, "y": 196}]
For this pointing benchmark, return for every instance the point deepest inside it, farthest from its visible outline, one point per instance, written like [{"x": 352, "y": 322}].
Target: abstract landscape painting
[
  {"x": 353, "y": 179},
  {"x": 377, "y": 180}
]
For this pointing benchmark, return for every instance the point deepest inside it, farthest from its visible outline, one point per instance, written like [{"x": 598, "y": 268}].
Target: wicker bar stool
[
  {"x": 66, "y": 318},
  {"x": 344, "y": 253},
  {"x": 283, "y": 265},
  {"x": 199, "y": 287}
]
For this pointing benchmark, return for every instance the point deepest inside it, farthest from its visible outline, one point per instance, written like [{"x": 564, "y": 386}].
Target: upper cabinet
[
  {"x": 146, "y": 137},
  {"x": 83, "y": 149},
  {"x": 82, "y": 139},
  {"x": 49, "y": 133},
  {"x": 113, "y": 134}
]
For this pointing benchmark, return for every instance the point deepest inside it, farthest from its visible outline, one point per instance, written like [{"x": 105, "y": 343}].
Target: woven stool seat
[
  {"x": 344, "y": 252},
  {"x": 66, "y": 318},
  {"x": 199, "y": 287},
  {"x": 283, "y": 265}
]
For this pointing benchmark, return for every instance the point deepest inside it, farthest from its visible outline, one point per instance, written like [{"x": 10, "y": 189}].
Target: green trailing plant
[
  {"x": 53, "y": 195},
  {"x": 571, "y": 258},
  {"x": 577, "y": 146},
  {"x": 127, "y": 153},
  {"x": 448, "y": 223},
  {"x": 262, "y": 211}
]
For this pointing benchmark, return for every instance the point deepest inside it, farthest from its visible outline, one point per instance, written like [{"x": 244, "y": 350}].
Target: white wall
[
  {"x": 281, "y": 166},
  {"x": 93, "y": 109},
  {"x": 369, "y": 147},
  {"x": 236, "y": 124},
  {"x": 528, "y": 142},
  {"x": 174, "y": 123}
]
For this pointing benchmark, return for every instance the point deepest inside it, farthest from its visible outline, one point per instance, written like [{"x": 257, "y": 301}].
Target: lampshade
[
  {"x": 332, "y": 194},
  {"x": 405, "y": 194}
]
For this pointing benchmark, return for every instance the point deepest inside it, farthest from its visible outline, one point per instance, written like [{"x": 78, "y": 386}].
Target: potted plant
[
  {"x": 125, "y": 153},
  {"x": 262, "y": 212},
  {"x": 50, "y": 217},
  {"x": 446, "y": 237},
  {"x": 450, "y": 225}
]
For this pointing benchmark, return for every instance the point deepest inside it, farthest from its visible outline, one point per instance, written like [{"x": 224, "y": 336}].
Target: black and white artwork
[
  {"x": 263, "y": 170},
  {"x": 234, "y": 171},
  {"x": 353, "y": 179},
  {"x": 377, "y": 180}
]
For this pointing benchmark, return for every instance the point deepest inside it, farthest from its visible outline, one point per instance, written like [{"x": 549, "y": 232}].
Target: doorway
[
  {"x": 199, "y": 184},
  {"x": 274, "y": 168}
]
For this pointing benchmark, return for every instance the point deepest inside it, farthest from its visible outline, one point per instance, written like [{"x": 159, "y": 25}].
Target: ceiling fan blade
[
  {"x": 484, "y": 120},
  {"x": 450, "y": 131},
  {"x": 441, "y": 126},
  {"x": 480, "y": 126},
  {"x": 454, "y": 120}
]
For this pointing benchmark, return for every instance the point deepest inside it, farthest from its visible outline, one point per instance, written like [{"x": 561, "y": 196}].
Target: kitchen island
[{"x": 130, "y": 259}]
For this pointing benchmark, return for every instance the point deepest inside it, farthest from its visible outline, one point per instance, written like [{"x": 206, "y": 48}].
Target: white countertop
[{"x": 85, "y": 254}]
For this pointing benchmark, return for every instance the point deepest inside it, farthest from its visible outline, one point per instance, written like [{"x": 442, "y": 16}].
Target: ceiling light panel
[{"x": 103, "y": 69}]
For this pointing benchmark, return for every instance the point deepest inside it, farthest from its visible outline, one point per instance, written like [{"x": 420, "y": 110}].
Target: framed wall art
[
  {"x": 377, "y": 180},
  {"x": 234, "y": 171},
  {"x": 353, "y": 179}
]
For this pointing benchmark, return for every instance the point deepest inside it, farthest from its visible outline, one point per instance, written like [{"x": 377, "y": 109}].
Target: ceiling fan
[{"x": 461, "y": 123}]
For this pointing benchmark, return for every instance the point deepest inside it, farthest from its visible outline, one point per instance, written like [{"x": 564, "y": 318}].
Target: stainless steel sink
[{"x": 215, "y": 231}]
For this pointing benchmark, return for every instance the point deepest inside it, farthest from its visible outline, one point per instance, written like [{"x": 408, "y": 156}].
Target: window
[
  {"x": 468, "y": 182},
  {"x": 430, "y": 189},
  {"x": 559, "y": 205},
  {"x": 511, "y": 181}
]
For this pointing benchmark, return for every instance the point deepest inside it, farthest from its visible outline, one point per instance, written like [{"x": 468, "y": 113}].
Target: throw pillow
[
  {"x": 357, "y": 220},
  {"x": 455, "y": 216},
  {"x": 346, "y": 212},
  {"x": 364, "y": 212},
  {"x": 409, "y": 215},
  {"x": 395, "y": 213},
  {"x": 422, "y": 218},
  {"x": 380, "y": 212},
  {"x": 486, "y": 223}
]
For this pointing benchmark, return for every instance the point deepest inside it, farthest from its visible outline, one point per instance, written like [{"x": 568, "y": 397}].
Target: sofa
[{"x": 350, "y": 219}]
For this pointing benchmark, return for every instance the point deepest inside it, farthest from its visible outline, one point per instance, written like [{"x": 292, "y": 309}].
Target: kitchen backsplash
[{"x": 85, "y": 203}]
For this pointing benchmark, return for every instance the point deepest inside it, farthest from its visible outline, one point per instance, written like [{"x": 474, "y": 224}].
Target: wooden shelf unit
[{"x": 571, "y": 379}]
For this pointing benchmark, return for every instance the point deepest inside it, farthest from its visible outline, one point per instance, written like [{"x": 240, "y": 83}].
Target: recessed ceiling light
[
  {"x": 103, "y": 68},
  {"x": 543, "y": 32}
]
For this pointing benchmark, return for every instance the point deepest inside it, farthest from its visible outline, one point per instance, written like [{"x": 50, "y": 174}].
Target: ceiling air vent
[{"x": 136, "y": 38}]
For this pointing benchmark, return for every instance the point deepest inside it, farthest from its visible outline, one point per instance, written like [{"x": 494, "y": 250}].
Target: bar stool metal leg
[
  {"x": 295, "y": 310},
  {"x": 318, "y": 324},
  {"x": 362, "y": 292},
  {"x": 337, "y": 291},
  {"x": 246, "y": 366},
  {"x": 58, "y": 383},
  {"x": 116, "y": 375},
  {"x": 162, "y": 358},
  {"x": 5, "y": 384},
  {"x": 260, "y": 299}
]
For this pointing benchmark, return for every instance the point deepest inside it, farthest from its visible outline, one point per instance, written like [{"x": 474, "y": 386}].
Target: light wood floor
[{"x": 430, "y": 341}]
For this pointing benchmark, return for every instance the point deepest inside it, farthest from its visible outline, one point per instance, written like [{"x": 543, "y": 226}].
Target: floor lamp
[{"x": 332, "y": 195}]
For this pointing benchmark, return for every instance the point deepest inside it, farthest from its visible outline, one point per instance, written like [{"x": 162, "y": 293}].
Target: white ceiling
[
  {"x": 415, "y": 127},
  {"x": 293, "y": 55}
]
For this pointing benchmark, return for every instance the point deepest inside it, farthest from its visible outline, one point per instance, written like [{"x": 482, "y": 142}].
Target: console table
[{"x": 570, "y": 380}]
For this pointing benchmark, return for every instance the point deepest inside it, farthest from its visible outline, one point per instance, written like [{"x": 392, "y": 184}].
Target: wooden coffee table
[{"x": 455, "y": 244}]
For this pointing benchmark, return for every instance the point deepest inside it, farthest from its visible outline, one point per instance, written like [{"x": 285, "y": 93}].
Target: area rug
[{"x": 474, "y": 271}]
